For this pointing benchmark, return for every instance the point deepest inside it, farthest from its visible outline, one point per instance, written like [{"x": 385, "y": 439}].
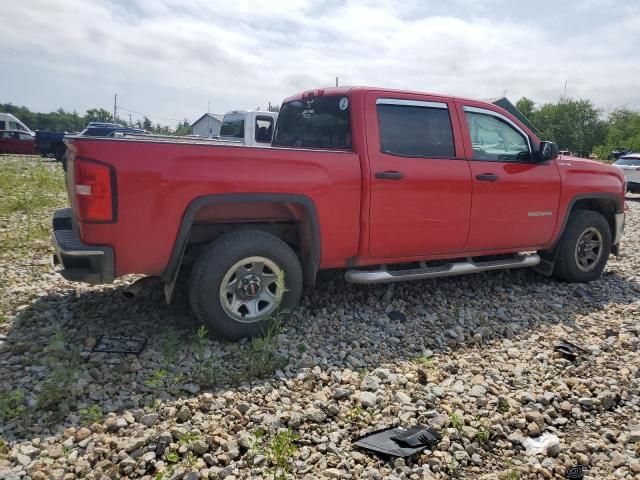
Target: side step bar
[{"x": 454, "y": 268}]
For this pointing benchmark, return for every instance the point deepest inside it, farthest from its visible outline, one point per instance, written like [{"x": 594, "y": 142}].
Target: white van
[{"x": 9, "y": 122}]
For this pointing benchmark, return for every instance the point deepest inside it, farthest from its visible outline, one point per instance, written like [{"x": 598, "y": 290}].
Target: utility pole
[
  {"x": 565, "y": 89},
  {"x": 209, "y": 106},
  {"x": 336, "y": 81},
  {"x": 115, "y": 107}
]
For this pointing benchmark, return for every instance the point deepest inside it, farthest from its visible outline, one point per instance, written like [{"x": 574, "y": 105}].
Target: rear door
[
  {"x": 420, "y": 180},
  {"x": 515, "y": 201}
]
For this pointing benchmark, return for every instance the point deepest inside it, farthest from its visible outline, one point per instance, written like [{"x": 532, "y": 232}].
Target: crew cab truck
[{"x": 388, "y": 185}]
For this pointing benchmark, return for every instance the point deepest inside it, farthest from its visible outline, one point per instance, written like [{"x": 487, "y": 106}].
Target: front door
[
  {"x": 420, "y": 181},
  {"x": 515, "y": 200}
]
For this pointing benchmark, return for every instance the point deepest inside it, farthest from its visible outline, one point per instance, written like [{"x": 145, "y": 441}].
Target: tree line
[
  {"x": 63, "y": 121},
  {"x": 575, "y": 125},
  {"x": 580, "y": 127}
]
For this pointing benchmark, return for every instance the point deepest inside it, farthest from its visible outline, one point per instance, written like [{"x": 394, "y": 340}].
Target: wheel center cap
[{"x": 250, "y": 286}]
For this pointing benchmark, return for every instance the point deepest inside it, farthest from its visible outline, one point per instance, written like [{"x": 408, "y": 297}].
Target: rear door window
[
  {"x": 411, "y": 128},
  {"x": 315, "y": 122}
]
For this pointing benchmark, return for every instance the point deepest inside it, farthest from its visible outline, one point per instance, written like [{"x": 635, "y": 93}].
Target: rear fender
[{"x": 243, "y": 210}]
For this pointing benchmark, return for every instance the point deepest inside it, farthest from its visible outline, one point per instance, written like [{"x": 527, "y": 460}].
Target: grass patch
[{"x": 29, "y": 191}]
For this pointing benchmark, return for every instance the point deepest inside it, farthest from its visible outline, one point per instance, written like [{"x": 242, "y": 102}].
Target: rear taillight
[{"x": 95, "y": 191}]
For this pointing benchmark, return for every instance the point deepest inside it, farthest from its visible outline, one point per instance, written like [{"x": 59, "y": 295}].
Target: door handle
[
  {"x": 487, "y": 177},
  {"x": 390, "y": 175}
]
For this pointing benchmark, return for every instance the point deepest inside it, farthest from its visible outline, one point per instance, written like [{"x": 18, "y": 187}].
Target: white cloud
[{"x": 169, "y": 57}]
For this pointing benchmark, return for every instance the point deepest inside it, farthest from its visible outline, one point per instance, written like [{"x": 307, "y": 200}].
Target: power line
[{"x": 120, "y": 107}]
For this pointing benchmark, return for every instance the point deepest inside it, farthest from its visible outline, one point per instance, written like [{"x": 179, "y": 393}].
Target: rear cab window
[
  {"x": 233, "y": 127},
  {"x": 320, "y": 122}
]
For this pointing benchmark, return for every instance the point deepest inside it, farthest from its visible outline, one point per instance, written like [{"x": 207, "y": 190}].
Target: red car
[
  {"x": 16, "y": 141},
  {"x": 387, "y": 185}
]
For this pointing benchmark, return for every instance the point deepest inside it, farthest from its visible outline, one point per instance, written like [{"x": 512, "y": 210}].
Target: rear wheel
[
  {"x": 242, "y": 280},
  {"x": 584, "y": 248}
]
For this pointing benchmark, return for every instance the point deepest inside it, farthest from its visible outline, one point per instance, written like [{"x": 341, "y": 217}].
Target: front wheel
[
  {"x": 584, "y": 248},
  {"x": 242, "y": 280}
]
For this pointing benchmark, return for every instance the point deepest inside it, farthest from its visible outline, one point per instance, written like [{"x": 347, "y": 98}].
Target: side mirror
[{"x": 547, "y": 151}]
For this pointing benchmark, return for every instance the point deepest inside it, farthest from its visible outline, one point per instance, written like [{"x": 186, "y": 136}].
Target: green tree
[
  {"x": 573, "y": 124},
  {"x": 98, "y": 115},
  {"x": 526, "y": 106},
  {"x": 623, "y": 133}
]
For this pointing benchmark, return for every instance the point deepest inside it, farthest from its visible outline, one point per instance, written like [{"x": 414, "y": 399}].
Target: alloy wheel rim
[
  {"x": 251, "y": 289},
  {"x": 588, "y": 249}
]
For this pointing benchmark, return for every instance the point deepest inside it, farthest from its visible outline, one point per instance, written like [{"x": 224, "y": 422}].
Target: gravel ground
[{"x": 470, "y": 356}]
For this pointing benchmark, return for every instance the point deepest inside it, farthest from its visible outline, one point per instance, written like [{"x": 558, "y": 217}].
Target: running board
[{"x": 454, "y": 268}]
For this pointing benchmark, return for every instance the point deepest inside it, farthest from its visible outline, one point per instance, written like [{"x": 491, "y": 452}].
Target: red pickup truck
[{"x": 388, "y": 185}]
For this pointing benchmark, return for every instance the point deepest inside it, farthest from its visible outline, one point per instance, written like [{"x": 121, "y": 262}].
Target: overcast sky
[{"x": 169, "y": 58}]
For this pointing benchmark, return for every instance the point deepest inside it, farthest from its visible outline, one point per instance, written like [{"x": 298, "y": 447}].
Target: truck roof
[{"x": 348, "y": 90}]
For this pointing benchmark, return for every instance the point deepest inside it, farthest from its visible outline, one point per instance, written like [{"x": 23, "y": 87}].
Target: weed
[
  {"x": 187, "y": 438},
  {"x": 301, "y": 348},
  {"x": 4, "y": 448},
  {"x": 261, "y": 355},
  {"x": 456, "y": 421},
  {"x": 355, "y": 413},
  {"x": 12, "y": 405},
  {"x": 279, "y": 450},
  {"x": 170, "y": 346},
  {"x": 172, "y": 457},
  {"x": 156, "y": 379},
  {"x": 483, "y": 435},
  {"x": 91, "y": 414},
  {"x": 64, "y": 363},
  {"x": 453, "y": 468},
  {"x": 363, "y": 373},
  {"x": 510, "y": 473},
  {"x": 423, "y": 361},
  {"x": 503, "y": 405}
]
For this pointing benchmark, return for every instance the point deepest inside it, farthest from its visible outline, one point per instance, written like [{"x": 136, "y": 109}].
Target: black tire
[
  {"x": 567, "y": 267},
  {"x": 215, "y": 262}
]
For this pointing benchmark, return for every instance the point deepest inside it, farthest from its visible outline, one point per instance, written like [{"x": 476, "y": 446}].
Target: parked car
[
  {"x": 10, "y": 122},
  {"x": 389, "y": 185},
  {"x": 630, "y": 166},
  {"x": 17, "y": 141},
  {"x": 51, "y": 144},
  {"x": 252, "y": 128}
]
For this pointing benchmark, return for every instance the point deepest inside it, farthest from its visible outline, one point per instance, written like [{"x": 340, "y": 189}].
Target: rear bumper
[{"x": 80, "y": 262}]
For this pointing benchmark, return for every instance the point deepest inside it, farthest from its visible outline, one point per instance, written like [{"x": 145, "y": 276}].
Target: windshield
[
  {"x": 232, "y": 126},
  {"x": 317, "y": 122},
  {"x": 632, "y": 162}
]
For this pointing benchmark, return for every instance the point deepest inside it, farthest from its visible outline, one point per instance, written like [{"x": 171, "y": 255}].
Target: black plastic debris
[
  {"x": 120, "y": 344},
  {"x": 569, "y": 350},
  {"x": 610, "y": 332},
  {"x": 399, "y": 441},
  {"x": 575, "y": 473},
  {"x": 397, "y": 316}
]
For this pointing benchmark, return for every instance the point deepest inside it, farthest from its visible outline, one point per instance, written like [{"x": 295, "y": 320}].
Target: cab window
[{"x": 494, "y": 139}]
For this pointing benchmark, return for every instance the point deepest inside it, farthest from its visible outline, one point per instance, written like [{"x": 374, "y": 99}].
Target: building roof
[
  {"x": 214, "y": 116},
  {"x": 504, "y": 102}
]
